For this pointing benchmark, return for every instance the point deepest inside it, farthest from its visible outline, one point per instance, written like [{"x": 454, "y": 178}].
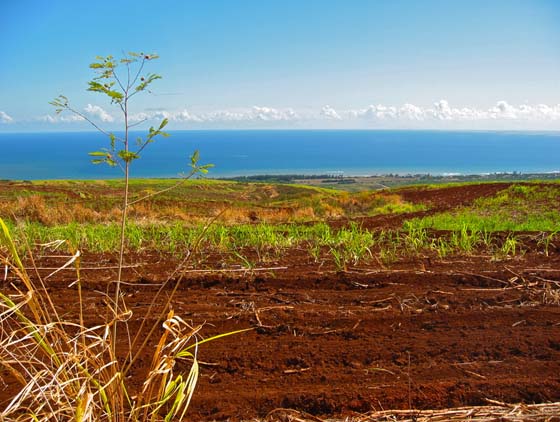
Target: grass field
[{"x": 264, "y": 220}]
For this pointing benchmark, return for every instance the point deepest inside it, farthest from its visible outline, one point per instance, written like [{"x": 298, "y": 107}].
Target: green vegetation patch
[{"x": 521, "y": 207}]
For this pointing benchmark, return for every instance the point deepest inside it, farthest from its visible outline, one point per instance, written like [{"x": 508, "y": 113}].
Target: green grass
[
  {"x": 264, "y": 241},
  {"x": 548, "y": 221},
  {"x": 519, "y": 208},
  {"x": 172, "y": 237}
]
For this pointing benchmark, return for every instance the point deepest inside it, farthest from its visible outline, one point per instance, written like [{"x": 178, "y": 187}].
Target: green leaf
[
  {"x": 61, "y": 102},
  {"x": 204, "y": 169},
  {"x": 216, "y": 337},
  {"x": 98, "y": 154},
  {"x": 7, "y": 241},
  {"x": 128, "y": 156},
  {"x": 115, "y": 96},
  {"x": 96, "y": 87},
  {"x": 194, "y": 158},
  {"x": 107, "y": 158},
  {"x": 147, "y": 81}
]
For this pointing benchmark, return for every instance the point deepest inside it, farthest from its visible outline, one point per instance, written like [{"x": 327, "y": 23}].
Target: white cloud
[
  {"x": 411, "y": 112},
  {"x": 441, "y": 114},
  {"x": 372, "y": 112},
  {"x": 443, "y": 111},
  {"x": 60, "y": 119},
  {"x": 5, "y": 118},
  {"x": 99, "y": 113},
  {"x": 48, "y": 118},
  {"x": 273, "y": 114},
  {"x": 540, "y": 112},
  {"x": 330, "y": 113},
  {"x": 254, "y": 114},
  {"x": 178, "y": 116},
  {"x": 185, "y": 116},
  {"x": 92, "y": 111},
  {"x": 140, "y": 117}
]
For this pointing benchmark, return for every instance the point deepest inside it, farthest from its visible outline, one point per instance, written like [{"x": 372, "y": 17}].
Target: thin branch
[
  {"x": 144, "y": 145},
  {"x": 136, "y": 77},
  {"x": 91, "y": 122},
  {"x": 139, "y": 150},
  {"x": 138, "y": 73},
  {"x": 120, "y": 165},
  {"x": 137, "y": 123},
  {"x": 179, "y": 183},
  {"x": 118, "y": 80},
  {"x": 134, "y": 93},
  {"x": 128, "y": 85}
]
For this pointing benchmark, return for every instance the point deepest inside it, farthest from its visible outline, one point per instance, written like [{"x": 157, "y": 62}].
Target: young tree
[{"x": 120, "y": 80}]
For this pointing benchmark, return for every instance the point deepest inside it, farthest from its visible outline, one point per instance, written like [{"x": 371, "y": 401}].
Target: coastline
[{"x": 347, "y": 183}]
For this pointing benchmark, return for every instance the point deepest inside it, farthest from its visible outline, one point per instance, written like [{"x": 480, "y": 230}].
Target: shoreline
[
  {"x": 377, "y": 182},
  {"x": 330, "y": 181}
]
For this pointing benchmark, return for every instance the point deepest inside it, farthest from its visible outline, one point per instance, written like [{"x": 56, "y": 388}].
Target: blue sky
[{"x": 291, "y": 64}]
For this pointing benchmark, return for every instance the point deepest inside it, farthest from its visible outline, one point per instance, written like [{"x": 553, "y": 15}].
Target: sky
[{"x": 289, "y": 64}]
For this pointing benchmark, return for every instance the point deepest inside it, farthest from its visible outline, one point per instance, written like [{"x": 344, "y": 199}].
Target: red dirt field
[{"x": 422, "y": 334}]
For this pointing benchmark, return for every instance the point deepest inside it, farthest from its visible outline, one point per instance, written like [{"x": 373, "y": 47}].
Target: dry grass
[
  {"x": 70, "y": 371},
  {"x": 57, "y": 203},
  {"x": 271, "y": 215},
  {"x": 497, "y": 411},
  {"x": 49, "y": 213}
]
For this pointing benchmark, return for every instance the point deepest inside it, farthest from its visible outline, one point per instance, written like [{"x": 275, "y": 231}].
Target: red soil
[{"x": 423, "y": 334}]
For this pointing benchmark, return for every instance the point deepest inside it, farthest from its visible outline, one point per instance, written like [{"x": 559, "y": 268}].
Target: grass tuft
[{"x": 70, "y": 371}]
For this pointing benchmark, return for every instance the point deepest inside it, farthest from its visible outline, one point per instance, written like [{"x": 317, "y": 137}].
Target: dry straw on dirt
[{"x": 497, "y": 411}]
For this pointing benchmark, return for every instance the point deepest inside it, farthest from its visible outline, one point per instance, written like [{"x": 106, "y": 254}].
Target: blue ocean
[{"x": 29, "y": 156}]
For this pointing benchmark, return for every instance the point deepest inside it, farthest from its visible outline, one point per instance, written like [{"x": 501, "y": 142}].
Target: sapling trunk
[{"x": 123, "y": 226}]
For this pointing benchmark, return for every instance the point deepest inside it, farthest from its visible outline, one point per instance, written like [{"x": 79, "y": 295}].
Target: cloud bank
[
  {"x": 442, "y": 111},
  {"x": 254, "y": 114},
  {"x": 439, "y": 114},
  {"x": 47, "y": 118}
]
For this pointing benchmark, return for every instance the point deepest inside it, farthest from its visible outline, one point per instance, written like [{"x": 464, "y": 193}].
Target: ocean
[{"x": 31, "y": 156}]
